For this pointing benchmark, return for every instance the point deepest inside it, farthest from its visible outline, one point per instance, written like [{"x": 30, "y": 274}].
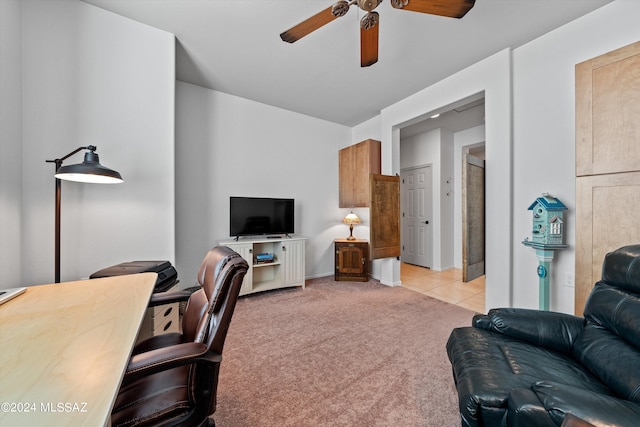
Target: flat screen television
[{"x": 254, "y": 216}]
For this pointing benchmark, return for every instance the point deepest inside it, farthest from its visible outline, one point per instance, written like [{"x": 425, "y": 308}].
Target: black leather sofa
[{"x": 520, "y": 367}]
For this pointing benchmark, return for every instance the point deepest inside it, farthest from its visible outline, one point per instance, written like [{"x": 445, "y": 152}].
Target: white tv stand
[{"x": 286, "y": 270}]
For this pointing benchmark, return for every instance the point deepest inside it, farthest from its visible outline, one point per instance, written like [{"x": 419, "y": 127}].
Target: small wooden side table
[{"x": 352, "y": 260}]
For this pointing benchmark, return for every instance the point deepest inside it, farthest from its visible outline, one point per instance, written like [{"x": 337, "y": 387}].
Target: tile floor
[{"x": 444, "y": 285}]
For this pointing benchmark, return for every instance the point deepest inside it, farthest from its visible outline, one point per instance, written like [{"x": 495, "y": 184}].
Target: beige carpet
[{"x": 339, "y": 354}]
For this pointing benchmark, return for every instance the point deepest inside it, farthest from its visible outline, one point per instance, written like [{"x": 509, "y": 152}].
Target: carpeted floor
[{"x": 339, "y": 354}]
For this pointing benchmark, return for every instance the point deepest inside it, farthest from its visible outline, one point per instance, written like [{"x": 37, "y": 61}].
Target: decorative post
[{"x": 547, "y": 236}]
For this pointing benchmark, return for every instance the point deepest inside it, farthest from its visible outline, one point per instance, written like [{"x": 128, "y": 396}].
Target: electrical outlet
[{"x": 569, "y": 280}]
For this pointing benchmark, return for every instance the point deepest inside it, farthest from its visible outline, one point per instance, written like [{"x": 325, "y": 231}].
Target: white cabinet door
[
  {"x": 293, "y": 262},
  {"x": 245, "y": 250}
]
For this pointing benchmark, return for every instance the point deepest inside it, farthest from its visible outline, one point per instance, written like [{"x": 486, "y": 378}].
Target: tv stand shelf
[{"x": 286, "y": 270}]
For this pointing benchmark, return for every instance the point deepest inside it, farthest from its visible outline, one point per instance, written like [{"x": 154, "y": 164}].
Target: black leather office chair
[{"x": 172, "y": 378}]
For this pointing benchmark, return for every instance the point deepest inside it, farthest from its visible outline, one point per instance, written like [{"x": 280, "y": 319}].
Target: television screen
[{"x": 249, "y": 216}]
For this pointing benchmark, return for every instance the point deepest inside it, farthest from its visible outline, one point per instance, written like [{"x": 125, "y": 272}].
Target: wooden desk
[{"x": 64, "y": 349}]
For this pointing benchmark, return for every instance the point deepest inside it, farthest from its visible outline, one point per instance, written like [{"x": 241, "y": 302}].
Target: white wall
[
  {"x": 543, "y": 118},
  {"x": 544, "y": 134},
  {"x": 230, "y": 146},
  {"x": 10, "y": 148},
  {"x": 90, "y": 77},
  {"x": 493, "y": 77}
]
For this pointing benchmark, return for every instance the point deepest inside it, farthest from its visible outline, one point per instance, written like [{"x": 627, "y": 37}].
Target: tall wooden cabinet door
[
  {"x": 356, "y": 163},
  {"x": 347, "y": 172},
  {"x": 608, "y": 113},
  {"x": 385, "y": 216},
  {"x": 607, "y": 209},
  {"x": 607, "y": 161}
]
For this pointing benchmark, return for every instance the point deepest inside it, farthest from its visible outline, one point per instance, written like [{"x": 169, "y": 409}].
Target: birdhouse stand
[{"x": 547, "y": 235}]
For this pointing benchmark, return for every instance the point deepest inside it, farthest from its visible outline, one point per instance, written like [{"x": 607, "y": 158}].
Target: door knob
[{"x": 426, "y": 222}]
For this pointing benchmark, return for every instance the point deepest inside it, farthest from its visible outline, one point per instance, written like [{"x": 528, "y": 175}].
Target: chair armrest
[
  {"x": 595, "y": 408},
  {"x": 162, "y": 298},
  {"x": 162, "y": 359},
  {"x": 556, "y": 331}
]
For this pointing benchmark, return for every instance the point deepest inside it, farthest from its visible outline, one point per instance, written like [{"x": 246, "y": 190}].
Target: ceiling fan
[{"x": 369, "y": 23}]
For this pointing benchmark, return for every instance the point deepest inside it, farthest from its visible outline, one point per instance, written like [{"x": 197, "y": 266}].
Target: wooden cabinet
[
  {"x": 352, "y": 260},
  {"x": 607, "y": 161},
  {"x": 356, "y": 163},
  {"x": 285, "y": 269}
]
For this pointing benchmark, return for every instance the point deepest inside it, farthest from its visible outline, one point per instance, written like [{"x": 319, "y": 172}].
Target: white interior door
[{"x": 417, "y": 208}]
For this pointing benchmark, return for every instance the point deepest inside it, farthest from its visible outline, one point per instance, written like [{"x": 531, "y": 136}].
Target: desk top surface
[{"x": 65, "y": 348}]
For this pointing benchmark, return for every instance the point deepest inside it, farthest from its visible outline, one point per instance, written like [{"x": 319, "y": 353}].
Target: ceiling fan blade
[
  {"x": 369, "y": 26},
  {"x": 316, "y": 21},
  {"x": 449, "y": 8}
]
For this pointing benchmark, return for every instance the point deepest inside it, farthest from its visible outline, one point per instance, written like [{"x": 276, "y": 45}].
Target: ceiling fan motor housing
[{"x": 368, "y": 5}]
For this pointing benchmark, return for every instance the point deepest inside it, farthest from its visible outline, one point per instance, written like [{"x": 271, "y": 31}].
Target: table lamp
[
  {"x": 351, "y": 219},
  {"x": 90, "y": 170}
]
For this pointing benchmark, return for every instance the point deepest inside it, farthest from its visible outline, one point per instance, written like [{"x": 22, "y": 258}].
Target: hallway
[{"x": 445, "y": 285}]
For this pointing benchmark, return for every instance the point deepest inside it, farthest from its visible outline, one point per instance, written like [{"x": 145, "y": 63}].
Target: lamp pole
[{"x": 57, "y": 226}]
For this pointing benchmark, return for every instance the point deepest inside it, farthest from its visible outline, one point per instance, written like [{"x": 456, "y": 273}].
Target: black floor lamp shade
[{"x": 90, "y": 170}]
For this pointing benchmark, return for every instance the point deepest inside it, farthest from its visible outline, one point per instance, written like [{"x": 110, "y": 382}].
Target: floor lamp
[{"x": 90, "y": 170}]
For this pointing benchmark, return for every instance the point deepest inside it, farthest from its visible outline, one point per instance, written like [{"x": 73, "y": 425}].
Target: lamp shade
[
  {"x": 351, "y": 219},
  {"x": 90, "y": 170}
]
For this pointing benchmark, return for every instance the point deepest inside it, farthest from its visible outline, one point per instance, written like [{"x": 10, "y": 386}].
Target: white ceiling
[{"x": 233, "y": 46}]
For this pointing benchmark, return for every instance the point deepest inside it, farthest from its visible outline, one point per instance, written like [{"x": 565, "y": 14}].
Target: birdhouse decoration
[
  {"x": 548, "y": 221},
  {"x": 547, "y": 236}
]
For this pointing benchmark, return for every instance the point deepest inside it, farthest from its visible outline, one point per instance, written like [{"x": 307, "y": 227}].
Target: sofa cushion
[
  {"x": 561, "y": 399},
  {"x": 488, "y": 365},
  {"x": 610, "y": 358}
]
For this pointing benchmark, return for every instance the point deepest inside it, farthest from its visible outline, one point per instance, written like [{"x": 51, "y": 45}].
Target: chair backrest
[
  {"x": 196, "y": 315},
  {"x": 204, "y": 379},
  {"x": 222, "y": 305}
]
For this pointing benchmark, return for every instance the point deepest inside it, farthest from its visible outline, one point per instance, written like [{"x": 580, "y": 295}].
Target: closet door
[{"x": 607, "y": 161}]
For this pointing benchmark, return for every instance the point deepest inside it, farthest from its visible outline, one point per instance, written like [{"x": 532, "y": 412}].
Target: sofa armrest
[
  {"x": 525, "y": 409},
  {"x": 556, "y": 331},
  {"x": 595, "y": 408}
]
